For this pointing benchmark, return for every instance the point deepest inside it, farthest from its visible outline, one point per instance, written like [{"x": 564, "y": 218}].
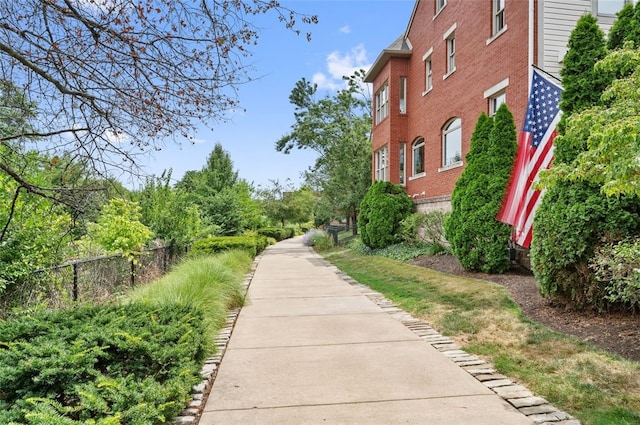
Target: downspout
[{"x": 531, "y": 39}]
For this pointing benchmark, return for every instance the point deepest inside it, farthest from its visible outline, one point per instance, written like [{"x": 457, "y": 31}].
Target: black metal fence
[
  {"x": 93, "y": 280},
  {"x": 335, "y": 229}
]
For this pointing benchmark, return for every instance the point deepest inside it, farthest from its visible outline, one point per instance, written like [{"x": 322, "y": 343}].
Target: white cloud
[
  {"x": 339, "y": 66},
  {"x": 346, "y": 29}
]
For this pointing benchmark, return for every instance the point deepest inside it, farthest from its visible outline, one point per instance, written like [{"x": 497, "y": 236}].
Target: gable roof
[{"x": 401, "y": 48}]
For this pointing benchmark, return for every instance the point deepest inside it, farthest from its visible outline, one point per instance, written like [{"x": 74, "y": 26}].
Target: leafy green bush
[
  {"x": 132, "y": 364},
  {"x": 277, "y": 233},
  {"x": 477, "y": 239},
  {"x": 400, "y": 251},
  {"x": 214, "y": 244},
  {"x": 425, "y": 228},
  {"x": 117, "y": 230},
  {"x": 382, "y": 210},
  {"x": 617, "y": 267},
  {"x": 568, "y": 232}
]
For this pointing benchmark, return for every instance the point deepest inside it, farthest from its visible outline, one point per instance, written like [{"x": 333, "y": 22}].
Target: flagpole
[
  {"x": 547, "y": 74},
  {"x": 531, "y": 41}
]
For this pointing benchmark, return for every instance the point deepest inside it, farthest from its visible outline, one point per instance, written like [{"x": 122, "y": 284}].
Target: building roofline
[{"x": 401, "y": 48}]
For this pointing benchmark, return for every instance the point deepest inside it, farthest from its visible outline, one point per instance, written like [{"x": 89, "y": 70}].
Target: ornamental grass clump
[
  {"x": 210, "y": 284},
  {"x": 319, "y": 239}
]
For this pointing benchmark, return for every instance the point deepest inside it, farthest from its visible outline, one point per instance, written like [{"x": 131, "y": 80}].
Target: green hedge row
[
  {"x": 253, "y": 245},
  {"x": 132, "y": 364},
  {"x": 277, "y": 233}
]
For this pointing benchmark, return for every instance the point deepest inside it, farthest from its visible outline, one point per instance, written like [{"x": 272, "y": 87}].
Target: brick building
[{"x": 457, "y": 59}]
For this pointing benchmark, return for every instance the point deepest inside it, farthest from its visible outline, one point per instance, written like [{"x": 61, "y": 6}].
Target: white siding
[{"x": 557, "y": 20}]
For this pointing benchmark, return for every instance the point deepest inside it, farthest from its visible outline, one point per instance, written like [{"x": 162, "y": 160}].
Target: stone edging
[
  {"x": 535, "y": 408},
  {"x": 191, "y": 414}
]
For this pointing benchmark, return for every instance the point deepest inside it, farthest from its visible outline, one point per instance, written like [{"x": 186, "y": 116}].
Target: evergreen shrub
[
  {"x": 132, "y": 364},
  {"x": 277, "y": 233},
  {"x": 254, "y": 245},
  {"x": 382, "y": 210},
  {"x": 477, "y": 239}
]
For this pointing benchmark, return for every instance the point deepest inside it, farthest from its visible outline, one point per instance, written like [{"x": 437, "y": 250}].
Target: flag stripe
[{"x": 535, "y": 153}]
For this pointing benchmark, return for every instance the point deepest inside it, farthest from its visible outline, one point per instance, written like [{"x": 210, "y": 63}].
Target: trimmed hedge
[
  {"x": 277, "y": 233},
  {"x": 382, "y": 210},
  {"x": 254, "y": 245},
  {"x": 132, "y": 364}
]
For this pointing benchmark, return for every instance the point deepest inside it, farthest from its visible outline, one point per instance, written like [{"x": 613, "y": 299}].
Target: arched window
[
  {"x": 452, "y": 142},
  {"x": 417, "y": 150}
]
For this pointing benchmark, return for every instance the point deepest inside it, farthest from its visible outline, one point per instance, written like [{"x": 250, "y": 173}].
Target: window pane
[
  {"x": 452, "y": 145},
  {"x": 382, "y": 100},
  {"x": 403, "y": 95},
  {"x": 498, "y": 15},
  {"x": 496, "y": 101},
  {"x": 451, "y": 51},
  {"x": 418, "y": 157},
  {"x": 401, "y": 162},
  {"x": 381, "y": 164},
  {"x": 609, "y": 7}
]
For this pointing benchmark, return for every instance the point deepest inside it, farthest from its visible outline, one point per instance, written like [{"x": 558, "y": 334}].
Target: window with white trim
[
  {"x": 496, "y": 95},
  {"x": 498, "y": 16},
  {"x": 417, "y": 154},
  {"x": 401, "y": 164},
  {"x": 495, "y": 101},
  {"x": 382, "y": 102},
  {"x": 382, "y": 166},
  {"x": 609, "y": 7},
  {"x": 403, "y": 95},
  {"x": 428, "y": 72},
  {"x": 440, "y": 4},
  {"x": 452, "y": 142},
  {"x": 451, "y": 53},
  {"x": 449, "y": 38}
]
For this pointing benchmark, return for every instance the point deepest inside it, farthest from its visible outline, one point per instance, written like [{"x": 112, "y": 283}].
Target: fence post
[
  {"x": 133, "y": 273},
  {"x": 74, "y": 294}
]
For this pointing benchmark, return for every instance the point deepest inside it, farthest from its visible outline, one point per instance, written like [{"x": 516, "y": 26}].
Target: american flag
[{"x": 535, "y": 153}]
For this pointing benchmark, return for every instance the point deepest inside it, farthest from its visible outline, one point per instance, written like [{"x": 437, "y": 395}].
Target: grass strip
[{"x": 594, "y": 386}]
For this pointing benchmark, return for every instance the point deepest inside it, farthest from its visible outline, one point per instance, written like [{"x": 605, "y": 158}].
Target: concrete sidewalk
[{"x": 310, "y": 348}]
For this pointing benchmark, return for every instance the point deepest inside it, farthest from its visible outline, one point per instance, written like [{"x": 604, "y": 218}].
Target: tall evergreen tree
[
  {"x": 478, "y": 240},
  {"x": 218, "y": 193},
  {"x": 626, "y": 27},
  {"x": 582, "y": 85},
  {"x": 218, "y": 172}
]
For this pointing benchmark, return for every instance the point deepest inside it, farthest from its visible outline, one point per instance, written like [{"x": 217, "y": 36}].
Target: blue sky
[{"x": 350, "y": 35}]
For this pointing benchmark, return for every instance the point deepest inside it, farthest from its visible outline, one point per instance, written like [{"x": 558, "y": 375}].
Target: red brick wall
[{"x": 478, "y": 67}]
